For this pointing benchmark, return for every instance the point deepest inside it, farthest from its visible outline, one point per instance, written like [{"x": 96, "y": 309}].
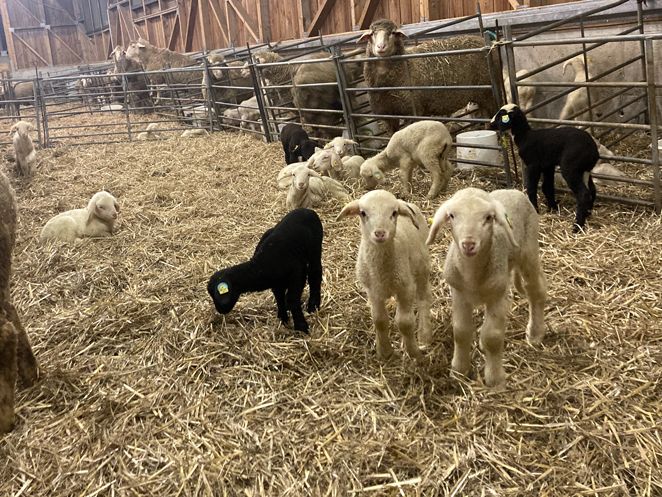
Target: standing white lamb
[
  {"x": 577, "y": 100},
  {"x": 393, "y": 261},
  {"x": 26, "y": 156},
  {"x": 494, "y": 235},
  {"x": 97, "y": 219},
  {"x": 424, "y": 143}
]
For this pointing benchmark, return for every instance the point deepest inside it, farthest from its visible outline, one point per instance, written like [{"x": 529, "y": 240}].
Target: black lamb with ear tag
[
  {"x": 285, "y": 257},
  {"x": 572, "y": 149},
  {"x": 296, "y": 143}
]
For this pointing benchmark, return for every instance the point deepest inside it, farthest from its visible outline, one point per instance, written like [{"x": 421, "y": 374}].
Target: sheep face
[
  {"x": 341, "y": 146},
  {"x": 23, "y": 128},
  {"x": 301, "y": 177},
  {"x": 104, "y": 206},
  {"x": 371, "y": 174},
  {"x": 384, "y": 38},
  {"x": 505, "y": 117},
  {"x": 472, "y": 216},
  {"x": 222, "y": 291},
  {"x": 138, "y": 50},
  {"x": 379, "y": 211}
]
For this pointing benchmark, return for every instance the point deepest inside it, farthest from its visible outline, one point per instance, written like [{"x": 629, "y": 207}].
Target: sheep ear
[
  {"x": 351, "y": 209},
  {"x": 501, "y": 217},
  {"x": 440, "y": 217},
  {"x": 140, "y": 45},
  {"x": 367, "y": 36},
  {"x": 399, "y": 32},
  {"x": 117, "y": 207},
  {"x": 351, "y": 141},
  {"x": 378, "y": 175},
  {"x": 313, "y": 173},
  {"x": 406, "y": 209},
  {"x": 317, "y": 149}
]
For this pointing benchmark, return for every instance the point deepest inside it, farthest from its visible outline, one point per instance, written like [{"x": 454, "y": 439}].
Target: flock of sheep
[{"x": 495, "y": 235}]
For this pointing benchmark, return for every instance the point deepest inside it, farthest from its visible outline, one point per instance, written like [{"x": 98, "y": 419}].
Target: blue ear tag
[
  {"x": 222, "y": 288},
  {"x": 505, "y": 119}
]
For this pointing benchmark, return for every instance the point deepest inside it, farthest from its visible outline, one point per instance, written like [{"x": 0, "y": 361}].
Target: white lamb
[
  {"x": 343, "y": 147},
  {"x": 494, "y": 235},
  {"x": 578, "y": 99},
  {"x": 97, "y": 219},
  {"x": 306, "y": 188},
  {"x": 393, "y": 261},
  {"x": 26, "y": 156},
  {"x": 191, "y": 133},
  {"x": 424, "y": 143},
  {"x": 327, "y": 162},
  {"x": 352, "y": 166},
  {"x": 150, "y": 133},
  {"x": 525, "y": 94}
]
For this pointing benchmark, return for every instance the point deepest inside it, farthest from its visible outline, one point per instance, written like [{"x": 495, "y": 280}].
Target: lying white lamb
[
  {"x": 307, "y": 188},
  {"x": 424, "y": 143},
  {"x": 393, "y": 261},
  {"x": 494, "y": 234},
  {"x": 191, "y": 133},
  {"x": 26, "y": 156},
  {"x": 150, "y": 133},
  {"x": 97, "y": 219}
]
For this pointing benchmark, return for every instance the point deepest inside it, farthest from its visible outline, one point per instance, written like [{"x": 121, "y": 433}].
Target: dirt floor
[{"x": 145, "y": 390}]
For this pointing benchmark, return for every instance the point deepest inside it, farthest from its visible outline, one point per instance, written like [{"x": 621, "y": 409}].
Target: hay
[{"x": 146, "y": 391}]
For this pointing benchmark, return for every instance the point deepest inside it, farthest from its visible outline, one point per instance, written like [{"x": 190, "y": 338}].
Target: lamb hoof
[
  {"x": 302, "y": 327},
  {"x": 576, "y": 228},
  {"x": 313, "y": 305}
]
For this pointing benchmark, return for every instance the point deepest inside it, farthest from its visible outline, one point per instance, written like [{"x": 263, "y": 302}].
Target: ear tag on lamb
[
  {"x": 430, "y": 221},
  {"x": 222, "y": 288},
  {"x": 505, "y": 119}
]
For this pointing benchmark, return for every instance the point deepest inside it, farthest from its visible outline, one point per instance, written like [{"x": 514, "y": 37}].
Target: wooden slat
[
  {"x": 172, "y": 39},
  {"x": 27, "y": 45},
  {"x": 66, "y": 45},
  {"x": 264, "y": 20},
  {"x": 320, "y": 17},
  {"x": 8, "y": 36},
  {"x": 367, "y": 14},
  {"x": 190, "y": 23},
  {"x": 249, "y": 22},
  {"x": 219, "y": 15}
]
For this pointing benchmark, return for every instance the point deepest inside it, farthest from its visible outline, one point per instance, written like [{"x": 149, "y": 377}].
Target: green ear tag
[
  {"x": 222, "y": 288},
  {"x": 505, "y": 119}
]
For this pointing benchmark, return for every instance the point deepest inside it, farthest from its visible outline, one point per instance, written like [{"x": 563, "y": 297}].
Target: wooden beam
[
  {"x": 190, "y": 23},
  {"x": 263, "y": 20},
  {"x": 8, "y": 35},
  {"x": 352, "y": 8},
  {"x": 175, "y": 31},
  {"x": 220, "y": 20},
  {"x": 27, "y": 45},
  {"x": 320, "y": 17},
  {"x": 424, "y": 9},
  {"x": 303, "y": 13},
  {"x": 66, "y": 45},
  {"x": 42, "y": 11},
  {"x": 246, "y": 19},
  {"x": 228, "y": 24},
  {"x": 513, "y": 3},
  {"x": 368, "y": 13},
  {"x": 204, "y": 20}
]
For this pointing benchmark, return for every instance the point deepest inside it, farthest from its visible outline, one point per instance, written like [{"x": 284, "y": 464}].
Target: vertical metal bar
[
  {"x": 586, "y": 77},
  {"x": 642, "y": 48},
  {"x": 35, "y": 103},
  {"x": 652, "y": 107},
  {"x": 514, "y": 95},
  {"x": 257, "y": 87},
  {"x": 345, "y": 99},
  {"x": 211, "y": 101},
  {"x": 125, "y": 86}
]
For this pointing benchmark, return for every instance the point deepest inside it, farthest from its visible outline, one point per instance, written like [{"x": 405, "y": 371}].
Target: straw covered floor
[{"x": 145, "y": 390}]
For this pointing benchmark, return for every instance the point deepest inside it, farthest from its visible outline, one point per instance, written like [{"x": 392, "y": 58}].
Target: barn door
[{"x": 43, "y": 33}]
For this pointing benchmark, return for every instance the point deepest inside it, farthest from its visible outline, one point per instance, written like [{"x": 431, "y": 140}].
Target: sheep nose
[
  {"x": 468, "y": 246},
  {"x": 114, "y": 215},
  {"x": 380, "y": 234}
]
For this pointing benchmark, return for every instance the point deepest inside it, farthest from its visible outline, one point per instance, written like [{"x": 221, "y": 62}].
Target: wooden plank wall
[{"x": 195, "y": 25}]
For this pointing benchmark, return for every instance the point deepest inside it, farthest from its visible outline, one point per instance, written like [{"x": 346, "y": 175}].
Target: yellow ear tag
[
  {"x": 222, "y": 288},
  {"x": 505, "y": 119},
  {"x": 430, "y": 221},
  {"x": 509, "y": 222}
]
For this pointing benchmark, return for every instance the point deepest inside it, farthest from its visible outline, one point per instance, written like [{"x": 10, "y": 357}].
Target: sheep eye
[
  {"x": 395, "y": 214},
  {"x": 363, "y": 214},
  {"x": 451, "y": 216},
  {"x": 489, "y": 218}
]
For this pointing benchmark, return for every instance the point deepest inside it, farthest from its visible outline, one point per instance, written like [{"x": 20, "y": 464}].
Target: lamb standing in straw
[{"x": 26, "y": 156}]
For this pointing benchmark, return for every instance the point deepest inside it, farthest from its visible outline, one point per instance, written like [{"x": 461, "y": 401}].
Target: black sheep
[
  {"x": 286, "y": 255},
  {"x": 572, "y": 149},
  {"x": 296, "y": 143}
]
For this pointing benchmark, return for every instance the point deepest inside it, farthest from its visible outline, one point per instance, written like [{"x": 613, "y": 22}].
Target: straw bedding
[{"x": 146, "y": 391}]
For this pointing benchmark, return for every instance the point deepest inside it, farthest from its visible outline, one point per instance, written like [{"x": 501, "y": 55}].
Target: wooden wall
[{"x": 195, "y": 25}]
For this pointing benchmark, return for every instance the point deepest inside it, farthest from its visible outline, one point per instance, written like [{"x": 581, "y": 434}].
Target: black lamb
[
  {"x": 572, "y": 149},
  {"x": 296, "y": 143},
  {"x": 286, "y": 255}
]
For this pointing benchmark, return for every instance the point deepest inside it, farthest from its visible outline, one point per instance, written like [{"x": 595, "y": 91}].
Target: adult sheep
[
  {"x": 156, "y": 59},
  {"x": 15, "y": 351},
  {"x": 223, "y": 74},
  {"x": 136, "y": 84},
  {"x": 385, "y": 40}
]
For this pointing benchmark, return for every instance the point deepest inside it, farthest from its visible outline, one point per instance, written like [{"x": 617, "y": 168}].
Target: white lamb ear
[
  {"x": 367, "y": 36},
  {"x": 440, "y": 217},
  {"x": 501, "y": 217},
  {"x": 406, "y": 209},
  {"x": 314, "y": 174},
  {"x": 378, "y": 175},
  {"x": 140, "y": 45},
  {"x": 117, "y": 207},
  {"x": 351, "y": 209}
]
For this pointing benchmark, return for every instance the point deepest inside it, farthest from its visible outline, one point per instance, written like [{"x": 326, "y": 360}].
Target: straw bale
[{"x": 147, "y": 391}]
